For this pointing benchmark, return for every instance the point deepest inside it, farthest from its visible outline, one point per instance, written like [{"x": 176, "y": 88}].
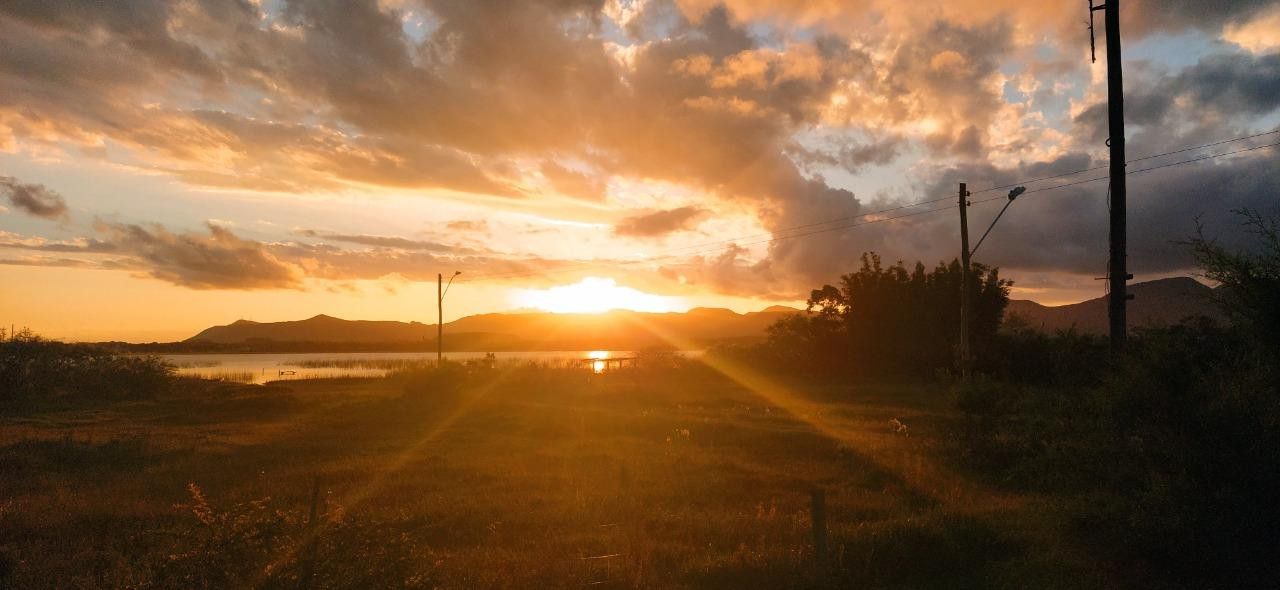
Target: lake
[{"x": 264, "y": 367}]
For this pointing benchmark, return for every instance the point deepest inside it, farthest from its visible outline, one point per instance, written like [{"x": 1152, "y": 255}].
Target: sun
[{"x": 594, "y": 295}]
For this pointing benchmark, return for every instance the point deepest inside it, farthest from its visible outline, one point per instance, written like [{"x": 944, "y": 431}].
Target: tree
[
  {"x": 885, "y": 320},
  {"x": 1250, "y": 280}
]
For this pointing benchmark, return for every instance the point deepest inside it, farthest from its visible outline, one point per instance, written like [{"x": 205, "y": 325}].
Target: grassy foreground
[{"x": 671, "y": 478}]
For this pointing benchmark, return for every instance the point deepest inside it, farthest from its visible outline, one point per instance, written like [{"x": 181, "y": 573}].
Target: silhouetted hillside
[
  {"x": 321, "y": 328},
  {"x": 515, "y": 331},
  {"x": 1159, "y": 302}
]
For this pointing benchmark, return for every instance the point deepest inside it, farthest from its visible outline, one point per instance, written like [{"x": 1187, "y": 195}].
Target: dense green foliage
[
  {"x": 884, "y": 321},
  {"x": 1166, "y": 458},
  {"x": 1250, "y": 279},
  {"x": 33, "y": 369}
]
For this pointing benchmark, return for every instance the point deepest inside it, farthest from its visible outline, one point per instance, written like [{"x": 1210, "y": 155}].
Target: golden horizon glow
[{"x": 595, "y": 295}]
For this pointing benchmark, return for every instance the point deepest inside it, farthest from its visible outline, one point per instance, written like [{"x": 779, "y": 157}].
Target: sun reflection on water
[{"x": 599, "y": 356}]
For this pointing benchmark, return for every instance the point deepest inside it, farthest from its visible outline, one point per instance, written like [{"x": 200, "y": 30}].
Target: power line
[
  {"x": 1151, "y": 157},
  {"x": 776, "y": 238},
  {"x": 1019, "y": 183},
  {"x": 1149, "y": 169}
]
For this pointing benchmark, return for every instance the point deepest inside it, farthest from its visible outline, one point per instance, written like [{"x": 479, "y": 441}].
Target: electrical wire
[
  {"x": 1144, "y": 158},
  {"x": 733, "y": 243}
]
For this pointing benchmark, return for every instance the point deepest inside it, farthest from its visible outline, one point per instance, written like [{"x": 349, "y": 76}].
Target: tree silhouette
[{"x": 887, "y": 320}]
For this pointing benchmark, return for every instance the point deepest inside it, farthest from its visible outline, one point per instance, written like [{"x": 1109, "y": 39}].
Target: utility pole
[
  {"x": 441, "y": 290},
  {"x": 439, "y": 319},
  {"x": 1117, "y": 273},
  {"x": 964, "y": 282}
]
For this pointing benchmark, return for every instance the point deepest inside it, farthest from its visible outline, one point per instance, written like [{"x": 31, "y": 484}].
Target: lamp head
[{"x": 1013, "y": 194}]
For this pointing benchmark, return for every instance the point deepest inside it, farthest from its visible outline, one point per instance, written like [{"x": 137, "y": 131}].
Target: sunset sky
[{"x": 166, "y": 166}]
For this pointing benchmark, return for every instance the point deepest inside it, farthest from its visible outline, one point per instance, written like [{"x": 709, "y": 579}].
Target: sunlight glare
[
  {"x": 594, "y": 295},
  {"x": 597, "y": 366}
]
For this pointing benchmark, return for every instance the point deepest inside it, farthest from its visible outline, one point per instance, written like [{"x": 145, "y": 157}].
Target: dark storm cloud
[
  {"x": 1218, "y": 87},
  {"x": 1231, "y": 83},
  {"x": 1062, "y": 230},
  {"x": 1066, "y": 229},
  {"x": 851, "y": 156},
  {"x": 1145, "y": 16},
  {"x": 660, "y": 223},
  {"x": 34, "y": 199},
  {"x": 141, "y": 26}
]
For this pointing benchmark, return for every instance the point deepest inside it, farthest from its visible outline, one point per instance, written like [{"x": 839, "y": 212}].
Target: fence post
[
  {"x": 818, "y": 514},
  {"x": 311, "y": 535}
]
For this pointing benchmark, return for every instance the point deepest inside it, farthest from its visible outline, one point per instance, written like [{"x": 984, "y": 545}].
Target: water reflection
[
  {"x": 599, "y": 364},
  {"x": 264, "y": 367}
]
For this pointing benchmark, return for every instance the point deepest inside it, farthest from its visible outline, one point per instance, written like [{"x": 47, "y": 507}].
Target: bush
[
  {"x": 1066, "y": 359},
  {"x": 1170, "y": 459},
  {"x": 33, "y": 369},
  {"x": 265, "y": 544},
  {"x": 659, "y": 359},
  {"x": 1170, "y": 456},
  {"x": 442, "y": 383},
  {"x": 1196, "y": 410}
]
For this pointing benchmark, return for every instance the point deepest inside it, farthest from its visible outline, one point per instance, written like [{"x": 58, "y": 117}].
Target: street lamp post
[
  {"x": 441, "y": 289},
  {"x": 966, "y": 355}
]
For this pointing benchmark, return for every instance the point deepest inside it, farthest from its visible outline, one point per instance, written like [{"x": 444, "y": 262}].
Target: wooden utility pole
[
  {"x": 818, "y": 517},
  {"x": 439, "y": 319},
  {"x": 964, "y": 281},
  {"x": 1117, "y": 273},
  {"x": 309, "y": 560}
]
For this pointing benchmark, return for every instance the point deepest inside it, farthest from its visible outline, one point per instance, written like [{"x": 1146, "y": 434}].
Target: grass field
[{"x": 679, "y": 478}]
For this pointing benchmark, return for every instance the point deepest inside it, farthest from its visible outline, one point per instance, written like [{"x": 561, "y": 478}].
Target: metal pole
[
  {"x": 439, "y": 319},
  {"x": 964, "y": 281},
  {"x": 1117, "y": 271}
]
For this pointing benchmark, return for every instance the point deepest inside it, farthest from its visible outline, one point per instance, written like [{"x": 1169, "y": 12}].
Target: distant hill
[
  {"x": 1159, "y": 302},
  {"x": 516, "y": 331},
  {"x": 321, "y": 328},
  {"x": 1164, "y": 301}
]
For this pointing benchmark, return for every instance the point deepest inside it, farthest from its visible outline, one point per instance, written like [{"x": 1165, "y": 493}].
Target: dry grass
[{"x": 684, "y": 478}]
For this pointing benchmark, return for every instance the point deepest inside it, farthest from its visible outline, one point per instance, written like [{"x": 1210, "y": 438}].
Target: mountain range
[
  {"x": 1164, "y": 301},
  {"x": 1158, "y": 302},
  {"x": 616, "y": 330}
]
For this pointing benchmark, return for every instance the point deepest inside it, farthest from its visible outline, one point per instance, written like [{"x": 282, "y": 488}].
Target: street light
[
  {"x": 441, "y": 289},
  {"x": 966, "y": 253},
  {"x": 1013, "y": 194}
]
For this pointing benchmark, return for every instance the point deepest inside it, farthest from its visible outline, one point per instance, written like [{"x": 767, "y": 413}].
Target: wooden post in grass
[
  {"x": 818, "y": 514},
  {"x": 309, "y": 565}
]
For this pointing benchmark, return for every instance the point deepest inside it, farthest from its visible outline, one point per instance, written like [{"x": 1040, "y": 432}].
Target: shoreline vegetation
[{"x": 841, "y": 451}]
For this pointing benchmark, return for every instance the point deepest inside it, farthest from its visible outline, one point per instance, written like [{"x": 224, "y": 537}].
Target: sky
[{"x": 166, "y": 166}]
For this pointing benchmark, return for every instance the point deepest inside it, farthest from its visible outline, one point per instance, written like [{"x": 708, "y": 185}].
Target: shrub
[
  {"x": 657, "y": 359},
  {"x": 34, "y": 369},
  {"x": 1170, "y": 459},
  {"x": 441, "y": 383},
  {"x": 264, "y": 544},
  {"x": 1065, "y": 359}
]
